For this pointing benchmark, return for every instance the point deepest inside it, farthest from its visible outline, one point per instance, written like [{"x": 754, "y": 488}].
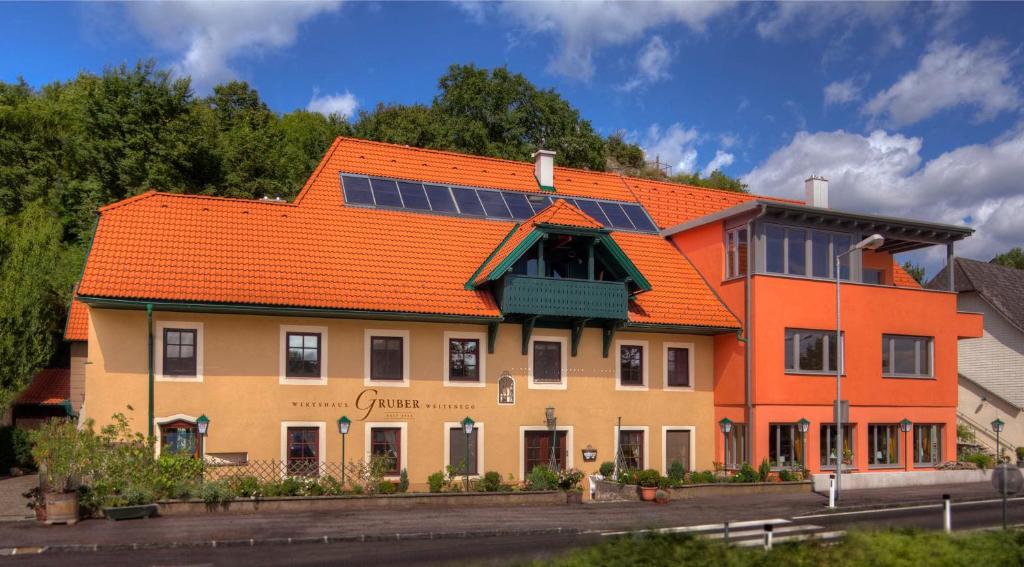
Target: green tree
[
  {"x": 916, "y": 271},
  {"x": 624, "y": 154},
  {"x": 1014, "y": 258}
]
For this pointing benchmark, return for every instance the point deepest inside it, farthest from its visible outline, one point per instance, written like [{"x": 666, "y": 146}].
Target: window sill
[
  {"x": 465, "y": 383},
  {"x": 885, "y": 467},
  {"x": 678, "y": 388},
  {"x": 846, "y": 469},
  {"x": 322, "y": 381},
  {"x": 918, "y": 466},
  {"x": 386, "y": 382},
  {"x": 906, "y": 377},
  {"x": 812, "y": 373}
]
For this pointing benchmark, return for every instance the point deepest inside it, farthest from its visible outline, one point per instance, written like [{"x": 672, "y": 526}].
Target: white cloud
[
  {"x": 948, "y": 76},
  {"x": 674, "y": 146},
  {"x": 651, "y": 64},
  {"x": 883, "y": 173},
  {"x": 475, "y": 10},
  {"x": 208, "y": 35},
  {"x": 842, "y": 92},
  {"x": 721, "y": 159},
  {"x": 583, "y": 28},
  {"x": 343, "y": 105},
  {"x": 815, "y": 19}
]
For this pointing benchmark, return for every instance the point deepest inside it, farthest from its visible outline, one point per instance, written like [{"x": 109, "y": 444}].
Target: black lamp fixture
[
  {"x": 202, "y": 425},
  {"x": 467, "y": 425},
  {"x": 343, "y": 425},
  {"x": 726, "y": 426},
  {"x": 549, "y": 416}
]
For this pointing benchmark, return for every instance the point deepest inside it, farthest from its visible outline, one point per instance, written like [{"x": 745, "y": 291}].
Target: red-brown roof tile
[
  {"x": 77, "y": 328},
  {"x": 49, "y": 387}
]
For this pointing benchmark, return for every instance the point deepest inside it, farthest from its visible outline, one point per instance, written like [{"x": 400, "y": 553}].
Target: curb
[
  {"x": 252, "y": 542},
  {"x": 909, "y": 504}
]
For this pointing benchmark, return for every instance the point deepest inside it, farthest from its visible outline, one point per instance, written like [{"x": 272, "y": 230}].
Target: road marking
[
  {"x": 758, "y": 533},
  {"x": 800, "y": 537},
  {"x": 702, "y": 527},
  {"x": 899, "y": 508}
]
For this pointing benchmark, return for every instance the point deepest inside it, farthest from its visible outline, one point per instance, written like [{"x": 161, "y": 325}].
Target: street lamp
[
  {"x": 467, "y": 426},
  {"x": 552, "y": 422},
  {"x": 802, "y": 426},
  {"x": 343, "y": 424},
  {"x": 997, "y": 426},
  {"x": 873, "y": 242},
  {"x": 726, "y": 426},
  {"x": 905, "y": 426},
  {"x": 203, "y": 425}
]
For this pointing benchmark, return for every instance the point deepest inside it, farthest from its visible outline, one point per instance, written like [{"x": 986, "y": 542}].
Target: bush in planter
[
  {"x": 570, "y": 479},
  {"x": 542, "y": 478},
  {"x": 607, "y": 469},
  {"x": 247, "y": 486},
  {"x": 628, "y": 476},
  {"x": 403, "y": 481},
  {"x": 491, "y": 482},
  {"x": 216, "y": 492},
  {"x": 785, "y": 476},
  {"x": 676, "y": 472},
  {"x": 745, "y": 474},
  {"x": 386, "y": 487},
  {"x": 1020, "y": 454},
  {"x": 648, "y": 478},
  {"x": 661, "y": 496},
  {"x": 66, "y": 452},
  {"x": 436, "y": 481},
  {"x": 702, "y": 477},
  {"x": 981, "y": 460}
]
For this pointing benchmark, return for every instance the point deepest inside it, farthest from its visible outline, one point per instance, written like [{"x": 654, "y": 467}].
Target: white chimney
[
  {"x": 544, "y": 168},
  {"x": 816, "y": 191}
]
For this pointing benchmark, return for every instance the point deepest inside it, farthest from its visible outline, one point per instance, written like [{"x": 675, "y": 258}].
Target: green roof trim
[
  {"x": 620, "y": 256},
  {"x": 469, "y": 284},
  {"x": 511, "y": 258}
]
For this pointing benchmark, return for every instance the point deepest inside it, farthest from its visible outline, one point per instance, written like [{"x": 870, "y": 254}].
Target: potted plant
[
  {"x": 134, "y": 503},
  {"x": 648, "y": 481},
  {"x": 36, "y": 503},
  {"x": 64, "y": 454},
  {"x": 661, "y": 496}
]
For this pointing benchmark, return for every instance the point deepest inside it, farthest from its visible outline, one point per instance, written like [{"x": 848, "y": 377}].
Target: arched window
[
  {"x": 179, "y": 437},
  {"x": 506, "y": 389}
]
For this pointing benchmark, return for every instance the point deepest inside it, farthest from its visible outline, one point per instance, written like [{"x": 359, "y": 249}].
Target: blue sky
[{"x": 909, "y": 109}]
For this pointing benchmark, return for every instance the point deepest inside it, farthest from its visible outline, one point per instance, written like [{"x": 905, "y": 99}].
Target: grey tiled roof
[{"x": 1000, "y": 286}]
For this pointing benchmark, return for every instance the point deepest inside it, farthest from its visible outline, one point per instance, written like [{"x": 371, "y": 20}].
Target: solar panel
[
  {"x": 413, "y": 196},
  {"x": 616, "y": 217},
  {"x": 385, "y": 193},
  {"x": 539, "y": 202},
  {"x": 594, "y": 210},
  {"x": 468, "y": 202},
  {"x": 440, "y": 199},
  {"x": 518, "y": 205},
  {"x": 639, "y": 217},
  {"x": 494, "y": 205},
  {"x": 357, "y": 190}
]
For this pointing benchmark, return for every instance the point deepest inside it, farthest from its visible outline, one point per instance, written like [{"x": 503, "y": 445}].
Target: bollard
[
  {"x": 725, "y": 535},
  {"x": 947, "y": 514},
  {"x": 767, "y": 537},
  {"x": 831, "y": 491}
]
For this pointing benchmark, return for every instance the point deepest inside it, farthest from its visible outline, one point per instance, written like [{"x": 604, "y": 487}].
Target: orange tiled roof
[
  {"x": 77, "y": 328},
  {"x": 900, "y": 277},
  {"x": 671, "y": 203},
  {"x": 559, "y": 213},
  {"x": 319, "y": 253},
  {"x": 49, "y": 387}
]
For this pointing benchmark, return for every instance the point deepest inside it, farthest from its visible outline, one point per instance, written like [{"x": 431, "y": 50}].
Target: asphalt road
[{"x": 495, "y": 550}]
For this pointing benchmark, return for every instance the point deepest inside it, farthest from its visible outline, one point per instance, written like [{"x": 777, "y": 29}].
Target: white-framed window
[
  {"x": 678, "y": 443},
  {"x": 386, "y": 358},
  {"x": 178, "y": 434},
  {"x": 536, "y": 443},
  {"x": 547, "y": 361},
  {"x": 455, "y": 448},
  {"x": 303, "y": 447},
  {"x": 678, "y": 361},
  {"x": 302, "y": 355},
  {"x": 634, "y": 442},
  {"x": 735, "y": 253},
  {"x": 465, "y": 359},
  {"x": 178, "y": 351},
  {"x": 632, "y": 367},
  {"x": 389, "y": 438},
  {"x": 906, "y": 356}
]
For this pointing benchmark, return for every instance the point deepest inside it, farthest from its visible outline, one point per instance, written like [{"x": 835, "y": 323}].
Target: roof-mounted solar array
[{"x": 483, "y": 203}]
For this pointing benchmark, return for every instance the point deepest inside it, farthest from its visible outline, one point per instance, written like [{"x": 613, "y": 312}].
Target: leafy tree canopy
[
  {"x": 1014, "y": 258},
  {"x": 916, "y": 271}
]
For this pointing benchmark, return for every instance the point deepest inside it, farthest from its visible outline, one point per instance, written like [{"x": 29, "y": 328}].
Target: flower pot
[
  {"x": 62, "y": 508},
  {"x": 130, "y": 512},
  {"x": 574, "y": 497},
  {"x": 647, "y": 493},
  {"x": 40, "y": 513}
]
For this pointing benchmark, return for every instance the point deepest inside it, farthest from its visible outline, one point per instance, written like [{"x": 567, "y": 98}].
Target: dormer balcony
[{"x": 558, "y": 297}]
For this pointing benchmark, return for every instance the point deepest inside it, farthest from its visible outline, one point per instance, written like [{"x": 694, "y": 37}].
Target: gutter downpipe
[
  {"x": 747, "y": 347},
  {"x": 149, "y": 325}
]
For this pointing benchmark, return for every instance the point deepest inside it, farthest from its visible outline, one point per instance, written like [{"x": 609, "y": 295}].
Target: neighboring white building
[{"x": 992, "y": 367}]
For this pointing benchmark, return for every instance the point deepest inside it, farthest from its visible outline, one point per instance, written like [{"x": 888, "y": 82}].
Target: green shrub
[
  {"x": 702, "y": 477},
  {"x": 491, "y": 482},
  {"x": 403, "y": 481},
  {"x": 357, "y": 489},
  {"x": 745, "y": 474},
  {"x": 330, "y": 486},
  {"x": 288, "y": 486},
  {"x": 15, "y": 449},
  {"x": 436, "y": 481},
  {"x": 1020, "y": 453},
  {"x": 177, "y": 476},
  {"x": 763, "y": 470},
  {"x": 607, "y": 469},
  {"x": 648, "y": 478},
  {"x": 386, "y": 487},
  {"x": 982, "y": 460},
  {"x": 542, "y": 478},
  {"x": 676, "y": 472},
  {"x": 785, "y": 475},
  {"x": 216, "y": 492}
]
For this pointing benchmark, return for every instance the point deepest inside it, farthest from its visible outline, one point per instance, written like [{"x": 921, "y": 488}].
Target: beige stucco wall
[
  {"x": 978, "y": 408},
  {"x": 241, "y": 394}
]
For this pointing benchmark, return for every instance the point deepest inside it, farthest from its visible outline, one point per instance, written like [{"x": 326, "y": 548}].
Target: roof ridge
[
  {"x": 154, "y": 193},
  {"x": 318, "y": 169},
  {"x": 128, "y": 200},
  {"x": 713, "y": 189}
]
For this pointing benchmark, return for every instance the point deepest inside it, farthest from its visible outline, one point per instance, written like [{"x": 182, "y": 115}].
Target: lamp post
[
  {"x": 726, "y": 426},
  {"x": 467, "y": 426},
  {"x": 997, "y": 426},
  {"x": 343, "y": 424},
  {"x": 552, "y": 423},
  {"x": 873, "y": 242},
  {"x": 802, "y": 426},
  {"x": 203, "y": 425},
  {"x": 905, "y": 426}
]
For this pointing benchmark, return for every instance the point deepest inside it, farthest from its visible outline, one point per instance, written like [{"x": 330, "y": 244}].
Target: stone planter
[
  {"x": 130, "y": 512},
  {"x": 574, "y": 497},
  {"x": 62, "y": 508}
]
